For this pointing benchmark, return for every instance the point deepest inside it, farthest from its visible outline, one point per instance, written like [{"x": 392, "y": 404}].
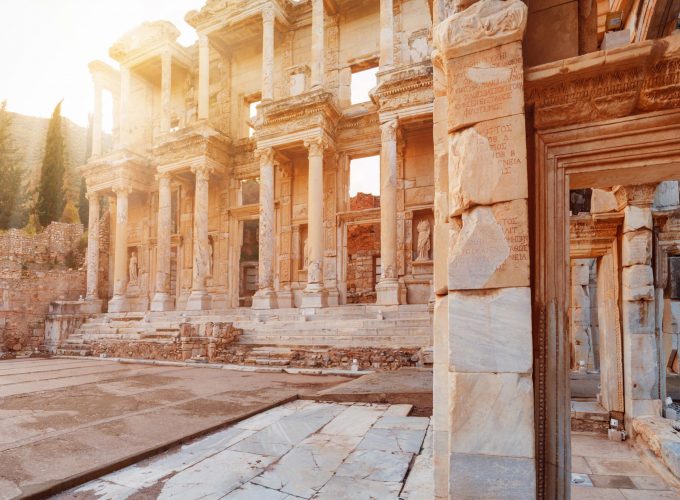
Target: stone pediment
[
  {"x": 121, "y": 168},
  {"x": 312, "y": 110},
  {"x": 404, "y": 87},
  {"x": 145, "y": 37},
  {"x": 199, "y": 143}
]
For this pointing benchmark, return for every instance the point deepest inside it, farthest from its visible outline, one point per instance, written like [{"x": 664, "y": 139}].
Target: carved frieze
[{"x": 405, "y": 87}]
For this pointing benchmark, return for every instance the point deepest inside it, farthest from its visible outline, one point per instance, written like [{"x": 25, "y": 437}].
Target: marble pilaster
[
  {"x": 118, "y": 302},
  {"x": 314, "y": 294},
  {"x": 203, "y": 76},
  {"x": 268, "y": 18},
  {"x": 386, "y": 33},
  {"x": 265, "y": 297},
  {"x": 93, "y": 248},
  {"x": 388, "y": 289},
  {"x": 166, "y": 90},
  {"x": 200, "y": 299},
  {"x": 162, "y": 301},
  {"x": 318, "y": 43}
]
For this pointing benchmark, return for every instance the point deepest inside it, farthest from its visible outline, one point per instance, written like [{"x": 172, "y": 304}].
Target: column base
[
  {"x": 199, "y": 301},
  {"x": 91, "y": 306},
  {"x": 118, "y": 303},
  {"x": 162, "y": 302},
  {"x": 285, "y": 299},
  {"x": 314, "y": 296},
  {"x": 388, "y": 293},
  {"x": 264, "y": 299}
]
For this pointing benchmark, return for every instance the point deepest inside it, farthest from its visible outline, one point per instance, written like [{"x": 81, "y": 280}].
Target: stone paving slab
[
  {"x": 318, "y": 457},
  {"x": 78, "y": 419}
]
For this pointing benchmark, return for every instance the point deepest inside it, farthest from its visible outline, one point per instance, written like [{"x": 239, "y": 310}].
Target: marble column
[
  {"x": 386, "y": 34},
  {"x": 166, "y": 90},
  {"x": 162, "y": 301},
  {"x": 487, "y": 344},
  {"x": 318, "y": 43},
  {"x": 315, "y": 294},
  {"x": 200, "y": 299},
  {"x": 118, "y": 302},
  {"x": 268, "y": 52},
  {"x": 203, "y": 76},
  {"x": 93, "y": 248},
  {"x": 640, "y": 348},
  {"x": 124, "y": 104},
  {"x": 97, "y": 121},
  {"x": 387, "y": 290},
  {"x": 265, "y": 297}
]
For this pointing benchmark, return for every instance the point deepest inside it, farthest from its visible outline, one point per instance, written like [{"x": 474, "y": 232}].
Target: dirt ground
[{"x": 64, "y": 419}]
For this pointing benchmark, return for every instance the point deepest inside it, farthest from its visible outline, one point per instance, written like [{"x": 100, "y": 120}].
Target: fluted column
[
  {"x": 265, "y": 297},
  {"x": 267, "y": 52},
  {"x": 118, "y": 302},
  {"x": 203, "y": 76},
  {"x": 97, "y": 120},
  {"x": 166, "y": 90},
  {"x": 199, "y": 298},
  {"x": 314, "y": 294},
  {"x": 318, "y": 43},
  {"x": 93, "y": 248},
  {"x": 386, "y": 33},
  {"x": 124, "y": 103},
  {"x": 388, "y": 289},
  {"x": 162, "y": 301}
]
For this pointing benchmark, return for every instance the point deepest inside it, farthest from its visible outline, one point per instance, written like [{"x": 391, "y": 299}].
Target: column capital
[
  {"x": 388, "y": 130},
  {"x": 202, "y": 171},
  {"x": 316, "y": 145},
  {"x": 268, "y": 13},
  {"x": 641, "y": 195},
  {"x": 163, "y": 176},
  {"x": 203, "y": 39},
  {"x": 92, "y": 195},
  {"x": 265, "y": 156},
  {"x": 121, "y": 190}
]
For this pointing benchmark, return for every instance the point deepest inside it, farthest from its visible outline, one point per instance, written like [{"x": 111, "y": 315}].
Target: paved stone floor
[
  {"x": 613, "y": 470},
  {"x": 60, "y": 418},
  {"x": 301, "y": 449}
]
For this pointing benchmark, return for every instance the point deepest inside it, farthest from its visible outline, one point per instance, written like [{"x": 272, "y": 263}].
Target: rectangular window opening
[
  {"x": 364, "y": 183},
  {"x": 361, "y": 84}
]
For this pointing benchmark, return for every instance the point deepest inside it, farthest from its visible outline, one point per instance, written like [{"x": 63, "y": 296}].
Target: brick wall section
[{"x": 34, "y": 271}]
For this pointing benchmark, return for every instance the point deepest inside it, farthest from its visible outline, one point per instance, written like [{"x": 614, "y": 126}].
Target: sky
[{"x": 46, "y": 45}]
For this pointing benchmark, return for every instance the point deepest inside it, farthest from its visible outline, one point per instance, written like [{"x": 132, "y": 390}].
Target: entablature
[
  {"x": 147, "y": 42},
  {"x": 592, "y": 235},
  {"x": 122, "y": 168},
  {"x": 405, "y": 88}
]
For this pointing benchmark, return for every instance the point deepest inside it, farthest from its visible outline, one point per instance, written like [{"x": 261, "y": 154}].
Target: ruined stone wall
[
  {"x": 363, "y": 250},
  {"x": 34, "y": 271}
]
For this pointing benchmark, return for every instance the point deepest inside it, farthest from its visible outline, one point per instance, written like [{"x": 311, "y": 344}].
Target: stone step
[{"x": 589, "y": 416}]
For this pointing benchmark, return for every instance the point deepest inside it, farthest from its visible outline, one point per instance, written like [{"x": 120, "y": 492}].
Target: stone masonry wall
[{"x": 34, "y": 271}]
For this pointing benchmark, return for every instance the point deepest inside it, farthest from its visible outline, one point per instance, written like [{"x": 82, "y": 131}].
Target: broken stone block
[
  {"x": 636, "y": 248},
  {"x": 638, "y": 283},
  {"x": 636, "y": 218},
  {"x": 491, "y": 250},
  {"x": 487, "y": 164},
  {"x": 602, "y": 201},
  {"x": 498, "y": 420},
  {"x": 490, "y": 330}
]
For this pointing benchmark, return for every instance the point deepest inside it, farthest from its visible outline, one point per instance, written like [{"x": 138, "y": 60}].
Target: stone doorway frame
[
  {"x": 345, "y": 220},
  {"x": 632, "y": 150}
]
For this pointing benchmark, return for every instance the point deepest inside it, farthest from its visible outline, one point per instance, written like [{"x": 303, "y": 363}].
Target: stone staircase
[{"x": 269, "y": 338}]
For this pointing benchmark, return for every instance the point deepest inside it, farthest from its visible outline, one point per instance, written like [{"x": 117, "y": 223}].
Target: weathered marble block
[
  {"x": 488, "y": 85},
  {"x": 643, "y": 366},
  {"x": 638, "y": 283},
  {"x": 491, "y": 250},
  {"x": 580, "y": 273},
  {"x": 498, "y": 419},
  {"x": 638, "y": 317},
  {"x": 636, "y": 218},
  {"x": 482, "y": 476},
  {"x": 490, "y": 330},
  {"x": 667, "y": 195},
  {"x": 636, "y": 248},
  {"x": 487, "y": 164},
  {"x": 581, "y": 316},
  {"x": 602, "y": 201},
  {"x": 580, "y": 295}
]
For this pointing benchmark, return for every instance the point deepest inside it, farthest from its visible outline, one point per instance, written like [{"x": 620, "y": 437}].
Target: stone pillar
[
  {"x": 490, "y": 352},
  {"x": 386, "y": 34},
  {"x": 314, "y": 294},
  {"x": 166, "y": 90},
  {"x": 203, "y": 76},
  {"x": 124, "y": 104},
  {"x": 93, "y": 248},
  {"x": 118, "y": 302},
  {"x": 264, "y": 297},
  {"x": 97, "y": 121},
  {"x": 200, "y": 299},
  {"x": 387, "y": 290},
  {"x": 162, "y": 301},
  {"x": 640, "y": 350},
  {"x": 318, "y": 43},
  {"x": 268, "y": 52}
]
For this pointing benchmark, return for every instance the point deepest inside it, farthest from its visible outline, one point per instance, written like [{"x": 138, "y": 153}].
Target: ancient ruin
[{"x": 524, "y": 242}]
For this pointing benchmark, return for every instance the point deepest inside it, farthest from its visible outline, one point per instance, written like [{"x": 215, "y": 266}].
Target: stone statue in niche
[
  {"x": 305, "y": 251},
  {"x": 133, "y": 269},
  {"x": 423, "y": 240}
]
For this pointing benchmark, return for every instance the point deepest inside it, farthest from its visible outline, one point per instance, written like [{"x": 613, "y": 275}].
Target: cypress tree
[
  {"x": 12, "y": 196},
  {"x": 51, "y": 196}
]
